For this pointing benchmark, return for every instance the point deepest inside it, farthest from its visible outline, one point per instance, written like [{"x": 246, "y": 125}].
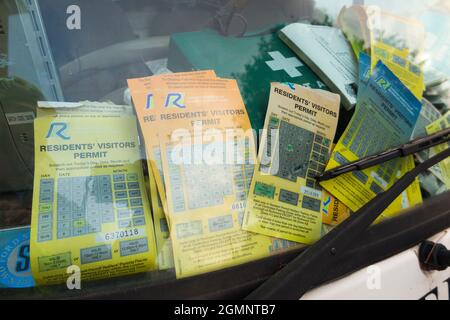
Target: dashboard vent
[{"x": 24, "y": 137}]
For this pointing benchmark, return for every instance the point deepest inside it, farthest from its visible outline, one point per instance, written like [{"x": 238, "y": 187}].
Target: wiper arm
[
  {"x": 404, "y": 150},
  {"x": 302, "y": 273}
]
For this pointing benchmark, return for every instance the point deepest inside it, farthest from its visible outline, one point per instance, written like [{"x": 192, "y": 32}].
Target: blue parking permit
[{"x": 15, "y": 271}]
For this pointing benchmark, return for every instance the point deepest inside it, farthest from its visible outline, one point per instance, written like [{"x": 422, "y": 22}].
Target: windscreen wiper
[
  {"x": 306, "y": 270},
  {"x": 404, "y": 150}
]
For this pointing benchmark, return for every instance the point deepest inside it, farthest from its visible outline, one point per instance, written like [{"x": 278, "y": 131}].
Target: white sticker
[
  {"x": 310, "y": 192},
  {"x": 19, "y": 118},
  {"x": 379, "y": 179},
  {"x": 59, "y": 104},
  {"x": 158, "y": 66},
  {"x": 405, "y": 200}
]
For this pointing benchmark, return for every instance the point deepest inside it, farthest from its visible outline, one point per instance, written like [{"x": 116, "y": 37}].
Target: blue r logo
[
  {"x": 174, "y": 99},
  {"x": 59, "y": 128}
]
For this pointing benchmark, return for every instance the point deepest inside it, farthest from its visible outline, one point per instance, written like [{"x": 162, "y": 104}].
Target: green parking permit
[{"x": 254, "y": 60}]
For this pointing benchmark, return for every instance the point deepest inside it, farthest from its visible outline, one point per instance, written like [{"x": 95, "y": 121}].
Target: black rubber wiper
[
  {"x": 300, "y": 275},
  {"x": 404, "y": 150}
]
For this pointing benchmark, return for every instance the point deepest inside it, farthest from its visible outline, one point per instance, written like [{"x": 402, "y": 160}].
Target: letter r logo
[
  {"x": 58, "y": 129},
  {"x": 174, "y": 100},
  {"x": 326, "y": 205},
  {"x": 383, "y": 83}
]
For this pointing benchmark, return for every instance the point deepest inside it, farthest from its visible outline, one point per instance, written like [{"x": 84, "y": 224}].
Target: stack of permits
[
  {"x": 285, "y": 200},
  {"x": 162, "y": 234},
  {"x": 385, "y": 116},
  {"x": 90, "y": 208},
  {"x": 143, "y": 93},
  {"x": 201, "y": 151}
]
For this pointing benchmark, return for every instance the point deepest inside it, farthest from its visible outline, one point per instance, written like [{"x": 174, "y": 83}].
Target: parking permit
[
  {"x": 208, "y": 155},
  {"x": 143, "y": 93},
  {"x": 90, "y": 207},
  {"x": 385, "y": 116},
  {"x": 285, "y": 200}
]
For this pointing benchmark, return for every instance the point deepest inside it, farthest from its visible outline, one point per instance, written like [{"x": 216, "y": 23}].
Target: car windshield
[{"x": 173, "y": 139}]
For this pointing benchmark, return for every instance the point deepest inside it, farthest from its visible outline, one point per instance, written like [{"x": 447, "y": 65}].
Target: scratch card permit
[
  {"x": 143, "y": 94},
  {"x": 90, "y": 207},
  {"x": 285, "y": 200},
  {"x": 173, "y": 94},
  {"x": 207, "y": 173},
  {"x": 206, "y": 203},
  {"x": 385, "y": 116},
  {"x": 412, "y": 195}
]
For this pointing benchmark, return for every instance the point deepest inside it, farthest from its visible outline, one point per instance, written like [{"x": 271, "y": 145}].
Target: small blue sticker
[{"x": 15, "y": 270}]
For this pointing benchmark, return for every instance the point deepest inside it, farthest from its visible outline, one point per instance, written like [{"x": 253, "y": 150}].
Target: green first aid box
[{"x": 253, "y": 60}]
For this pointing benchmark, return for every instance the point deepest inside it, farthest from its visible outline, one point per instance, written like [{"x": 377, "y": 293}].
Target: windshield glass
[{"x": 178, "y": 138}]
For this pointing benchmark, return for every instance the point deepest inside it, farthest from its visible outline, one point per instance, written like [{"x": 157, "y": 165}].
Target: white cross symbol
[{"x": 289, "y": 65}]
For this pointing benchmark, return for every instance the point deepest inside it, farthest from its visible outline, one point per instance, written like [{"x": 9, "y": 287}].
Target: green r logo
[{"x": 383, "y": 83}]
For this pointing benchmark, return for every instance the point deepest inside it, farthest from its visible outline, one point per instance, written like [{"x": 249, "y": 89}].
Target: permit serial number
[{"x": 120, "y": 234}]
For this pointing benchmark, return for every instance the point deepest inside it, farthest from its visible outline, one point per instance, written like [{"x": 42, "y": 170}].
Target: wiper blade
[
  {"x": 409, "y": 148},
  {"x": 301, "y": 274}
]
